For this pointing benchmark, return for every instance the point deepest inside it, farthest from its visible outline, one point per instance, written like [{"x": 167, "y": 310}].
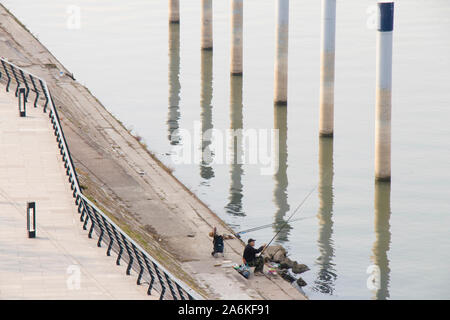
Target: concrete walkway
[{"x": 49, "y": 266}]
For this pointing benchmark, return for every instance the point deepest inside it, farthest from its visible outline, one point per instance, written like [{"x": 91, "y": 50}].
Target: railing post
[
  {"x": 7, "y": 75},
  {"x": 111, "y": 240},
  {"x": 130, "y": 257},
  {"x": 119, "y": 254},
  {"x": 36, "y": 91},
  {"x": 45, "y": 94},
  {"x": 141, "y": 271},
  {"x": 152, "y": 281},
  {"x": 161, "y": 282},
  {"x": 26, "y": 85}
]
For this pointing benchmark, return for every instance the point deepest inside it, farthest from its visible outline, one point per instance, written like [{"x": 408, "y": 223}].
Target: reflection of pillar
[
  {"x": 237, "y": 17},
  {"x": 174, "y": 11},
  {"x": 207, "y": 25},
  {"x": 281, "y": 178},
  {"x": 206, "y": 171},
  {"x": 174, "y": 82},
  {"x": 234, "y": 205},
  {"x": 327, "y": 275},
  {"x": 382, "y": 237},
  {"x": 281, "y": 53}
]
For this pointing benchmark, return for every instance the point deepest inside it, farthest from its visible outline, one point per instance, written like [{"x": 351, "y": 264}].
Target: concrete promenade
[{"x": 49, "y": 266}]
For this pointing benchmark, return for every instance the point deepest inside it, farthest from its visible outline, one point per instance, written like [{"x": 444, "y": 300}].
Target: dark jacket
[{"x": 250, "y": 253}]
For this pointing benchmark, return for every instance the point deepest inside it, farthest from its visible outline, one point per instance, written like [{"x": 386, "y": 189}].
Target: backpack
[{"x": 218, "y": 244}]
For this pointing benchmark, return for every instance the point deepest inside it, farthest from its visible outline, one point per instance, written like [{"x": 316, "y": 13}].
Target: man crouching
[{"x": 250, "y": 258}]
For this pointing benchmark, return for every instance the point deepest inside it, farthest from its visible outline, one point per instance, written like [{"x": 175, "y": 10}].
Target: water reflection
[
  {"x": 206, "y": 171},
  {"x": 234, "y": 205},
  {"x": 382, "y": 237},
  {"x": 326, "y": 277},
  {"x": 281, "y": 179},
  {"x": 174, "y": 83}
]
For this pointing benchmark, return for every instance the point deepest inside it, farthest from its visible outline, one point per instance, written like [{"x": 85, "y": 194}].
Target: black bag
[{"x": 218, "y": 244}]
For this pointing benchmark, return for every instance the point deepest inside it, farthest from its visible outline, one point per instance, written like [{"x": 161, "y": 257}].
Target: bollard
[
  {"x": 207, "y": 25},
  {"x": 22, "y": 102},
  {"x": 31, "y": 219},
  {"x": 327, "y": 61},
  {"x": 383, "y": 92},
  {"x": 237, "y": 16},
  {"x": 174, "y": 11},
  {"x": 281, "y": 53}
]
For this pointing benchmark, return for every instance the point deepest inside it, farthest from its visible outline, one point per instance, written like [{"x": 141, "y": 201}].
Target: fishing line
[
  {"x": 238, "y": 234},
  {"x": 293, "y": 213}
]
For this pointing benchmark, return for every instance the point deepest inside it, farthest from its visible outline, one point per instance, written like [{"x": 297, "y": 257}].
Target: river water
[{"x": 155, "y": 79}]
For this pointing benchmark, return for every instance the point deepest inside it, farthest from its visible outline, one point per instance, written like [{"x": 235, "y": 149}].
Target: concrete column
[
  {"x": 281, "y": 53},
  {"x": 326, "y": 121},
  {"x": 383, "y": 92},
  {"x": 207, "y": 25},
  {"x": 237, "y": 16},
  {"x": 174, "y": 11}
]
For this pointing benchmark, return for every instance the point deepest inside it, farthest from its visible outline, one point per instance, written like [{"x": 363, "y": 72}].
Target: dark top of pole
[{"x": 386, "y": 16}]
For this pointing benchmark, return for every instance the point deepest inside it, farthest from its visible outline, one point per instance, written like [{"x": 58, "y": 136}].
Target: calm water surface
[{"x": 155, "y": 79}]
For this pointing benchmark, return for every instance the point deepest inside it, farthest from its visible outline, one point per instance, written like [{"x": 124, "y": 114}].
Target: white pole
[
  {"x": 174, "y": 11},
  {"x": 281, "y": 52},
  {"x": 383, "y": 92},
  {"x": 207, "y": 25},
  {"x": 237, "y": 16},
  {"x": 327, "y": 58}
]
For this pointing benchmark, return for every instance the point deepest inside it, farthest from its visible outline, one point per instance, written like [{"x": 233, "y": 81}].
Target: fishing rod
[
  {"x": 287, "y": 221},
  {"x": 238, "y": 234}
]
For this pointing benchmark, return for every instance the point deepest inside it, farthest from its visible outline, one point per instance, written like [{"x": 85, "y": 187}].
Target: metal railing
[{"x": 148, "y": 270}]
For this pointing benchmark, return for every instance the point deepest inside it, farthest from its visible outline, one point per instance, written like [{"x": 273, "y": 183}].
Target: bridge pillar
[
  {"x": 237, "y": 16},
  {"x": 174, "y": 11},
  {"x": 383, "y": 91},
  {"x": 327, "y": 61},
  {"x": 281, "y": 53},
  {"x": 207, "y": 25}
]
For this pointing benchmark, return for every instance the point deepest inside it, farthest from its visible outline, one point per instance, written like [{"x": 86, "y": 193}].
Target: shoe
[{"x": 259, "y": 273}]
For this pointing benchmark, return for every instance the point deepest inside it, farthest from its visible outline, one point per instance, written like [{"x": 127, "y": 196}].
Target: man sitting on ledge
[{"x": 250, "y": 258}]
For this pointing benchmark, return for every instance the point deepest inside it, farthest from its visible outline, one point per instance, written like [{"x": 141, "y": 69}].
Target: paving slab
[{"x": 61, "y": 262}]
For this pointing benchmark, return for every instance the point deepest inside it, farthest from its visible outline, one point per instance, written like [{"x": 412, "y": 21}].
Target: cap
[{"x": 250, "y": 240}]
